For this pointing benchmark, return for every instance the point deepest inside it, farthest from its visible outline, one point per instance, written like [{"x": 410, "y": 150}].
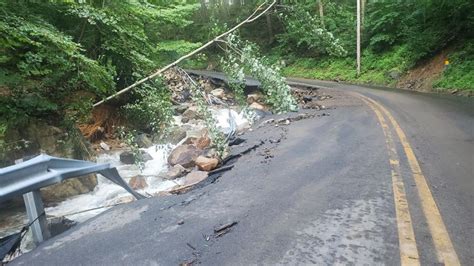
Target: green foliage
[
  {"x": 278, "y": 93},
  {"x": 40, "y": 67},
  {"x": 424, "y": 26},
  {"x": 58, "y": 57},
  {"x": 377, "y": 67},
  {"x": 235, "y": 73},
  {"x": 170, "y": 51},
  {"x": 219, "y": 141},
  {"x": 128, "y": 137},
  {"x": 304, "y": 32},
  {"x": 459, "y": 74},
  {"x": 396, "y": 36},
  {"x": 3, "y": 144},
  {"x": 151, "y": 111}
]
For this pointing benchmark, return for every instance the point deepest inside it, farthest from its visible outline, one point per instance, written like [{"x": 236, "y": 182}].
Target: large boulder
[
  {"x": 184, "y": 155},
  {"x": 40, "y": 137},
  {"x": 206, "y": 164},
  {"x": 71, "y": 187}
]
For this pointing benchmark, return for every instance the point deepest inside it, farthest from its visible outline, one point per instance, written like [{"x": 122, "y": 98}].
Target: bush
[{"x": 151, "y": 111}]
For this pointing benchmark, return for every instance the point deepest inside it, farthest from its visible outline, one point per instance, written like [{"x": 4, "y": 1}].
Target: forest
[{"x": 59, "y": 57}]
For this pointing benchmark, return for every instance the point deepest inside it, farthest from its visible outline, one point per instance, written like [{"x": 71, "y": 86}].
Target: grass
[{"x": 376, "y": 67}]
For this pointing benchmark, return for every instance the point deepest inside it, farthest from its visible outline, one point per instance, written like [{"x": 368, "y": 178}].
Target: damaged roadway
[{"x": 314, "y": 191}]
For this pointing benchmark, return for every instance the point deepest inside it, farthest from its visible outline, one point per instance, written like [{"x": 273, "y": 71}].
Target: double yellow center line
[{"x": 408, "y": 249}]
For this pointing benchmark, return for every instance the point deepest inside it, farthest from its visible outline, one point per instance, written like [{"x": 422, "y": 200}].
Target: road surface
[{"x": 380, "y": 177}]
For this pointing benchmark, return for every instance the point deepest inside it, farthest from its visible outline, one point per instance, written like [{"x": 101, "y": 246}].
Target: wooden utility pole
[{"x": 358, "y": 37}]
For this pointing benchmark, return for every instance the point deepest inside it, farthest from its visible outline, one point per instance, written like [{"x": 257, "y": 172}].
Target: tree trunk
[
  {"x": 269, "y": 28},
  {"x": 203, "y": 9},
  {"x": 362, "y": 11},
  {"x": 321, "y": 12}
]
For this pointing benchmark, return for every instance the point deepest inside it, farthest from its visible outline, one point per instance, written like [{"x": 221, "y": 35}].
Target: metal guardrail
[{"x": 27, "y": 178}]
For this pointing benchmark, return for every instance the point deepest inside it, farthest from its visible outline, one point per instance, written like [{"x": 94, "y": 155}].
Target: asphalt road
[{"x": 339, "y": 188}]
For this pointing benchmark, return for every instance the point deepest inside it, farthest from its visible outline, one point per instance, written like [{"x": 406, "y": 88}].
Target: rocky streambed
[{"x": 167, "y": 169}]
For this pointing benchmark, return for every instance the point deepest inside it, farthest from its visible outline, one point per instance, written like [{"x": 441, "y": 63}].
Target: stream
[{"x": 106, "y": 194}]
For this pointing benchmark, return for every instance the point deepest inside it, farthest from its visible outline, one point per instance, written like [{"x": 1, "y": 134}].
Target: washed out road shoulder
[{"x": 323, "y": 196}]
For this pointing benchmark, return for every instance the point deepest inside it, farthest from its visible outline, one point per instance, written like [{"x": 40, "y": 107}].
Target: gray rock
[
  {"x": 394, "y": 74},
  {"x": 104, "y": 146},
  {"x": 146, "y": 156},
  {"x": 194, "y": 177},
  {"x": 176, "y": 134},
  {"x": 127, "y": 157},
  {"x": 144, "y": 141},
  {"x": 181, "y": 108},
  {"x": 58, "y": 225}
]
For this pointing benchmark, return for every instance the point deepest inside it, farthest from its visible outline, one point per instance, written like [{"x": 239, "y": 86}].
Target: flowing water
[{"x": 106, "y": 193}]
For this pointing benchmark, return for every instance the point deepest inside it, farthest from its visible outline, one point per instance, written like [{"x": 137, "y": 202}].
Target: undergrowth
[
  {"x": 460, "y": 72},
  {"x": 385, "y": 67}
]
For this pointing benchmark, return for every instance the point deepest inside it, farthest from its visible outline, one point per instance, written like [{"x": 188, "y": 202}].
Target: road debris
[
  {"x": 267, "y": 155},
  {"x": 236, "y": 141},
  {"x": 189, "y": 245},
  {"x": 309, "y": 98},
  {"x": 238, "y": 155},
  {"x": 224, "y": 229},
  {"x": 206, "y": 237},
  {"x": 188, "y": 263}
]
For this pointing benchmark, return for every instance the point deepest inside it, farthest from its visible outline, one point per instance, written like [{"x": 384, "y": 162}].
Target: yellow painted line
[
  {"x": 444, "y": 247},
  {"x": 406, "y": 236}
]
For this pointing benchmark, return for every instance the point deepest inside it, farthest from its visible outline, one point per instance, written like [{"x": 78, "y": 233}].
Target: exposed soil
[
  {"x": 421, "y": 77},
  {"x": 103, "y": 122}
]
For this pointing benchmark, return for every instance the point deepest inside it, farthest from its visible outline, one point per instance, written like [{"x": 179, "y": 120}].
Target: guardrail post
[{"x": 34, "y": 210}]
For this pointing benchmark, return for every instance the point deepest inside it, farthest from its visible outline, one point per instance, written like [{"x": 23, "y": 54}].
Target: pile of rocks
[
  {"x": 180, "y": 91},
  {"x": 309, "y": 98},
  {"x": 193, "y": 159}
]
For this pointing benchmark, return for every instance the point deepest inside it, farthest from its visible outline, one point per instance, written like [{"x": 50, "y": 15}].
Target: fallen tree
[{"x": 254, "y": 16}]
